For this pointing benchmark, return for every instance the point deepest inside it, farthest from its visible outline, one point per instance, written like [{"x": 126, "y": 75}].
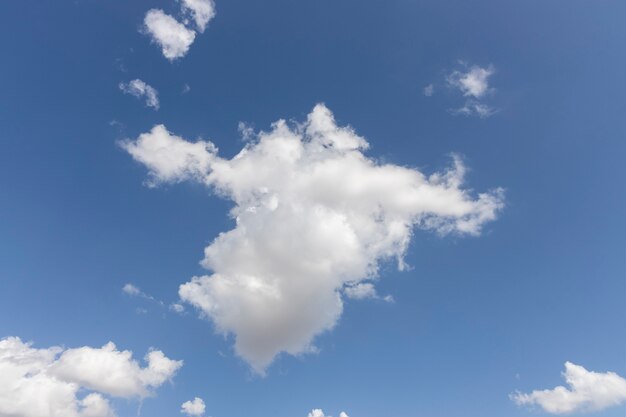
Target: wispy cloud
[
  {"x": 429, "y": 90},
  {"x": 141, "y": 90},
  {"x": 587, "y": 391},
  {"x": 134, "y": 291},
  {"x": 475, "y": 108},
  {"x": 177, "y": 308}
]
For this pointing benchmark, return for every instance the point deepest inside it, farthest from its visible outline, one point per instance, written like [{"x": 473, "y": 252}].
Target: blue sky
[{"x": 474, "y": 318}]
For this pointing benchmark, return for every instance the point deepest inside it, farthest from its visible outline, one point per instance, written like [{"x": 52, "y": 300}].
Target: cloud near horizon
[
  {"x": 319, "y": 413},
  {"x": 314, "y": 215},
  {"x": 588, "y": 391},
  {"x": 56, "y": 382}
]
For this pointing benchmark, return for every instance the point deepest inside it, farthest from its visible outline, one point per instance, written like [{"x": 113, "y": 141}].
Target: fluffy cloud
[
  {"x": 49, "y": 382},
  {"x": 141, "y": 90},
  {"x": 588, "y": 391},
  {"x": 193, "y": 408},
  {"x": 319, "y": 413},
  {"x": 172, "y": 36},
  {"x": 202, "y": 11},
  {"x": 314, "y": 215},
  {"x": 171, "y": 158},
  {"x": 474, "y": 82}
]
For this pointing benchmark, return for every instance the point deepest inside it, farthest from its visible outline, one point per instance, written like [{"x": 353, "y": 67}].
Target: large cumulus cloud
[
  {"x": 54, "y": 382},
  {"x": 314, "y": 217}
]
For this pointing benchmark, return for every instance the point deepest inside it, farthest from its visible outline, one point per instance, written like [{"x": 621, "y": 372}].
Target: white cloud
[
  {"x": 319, "y": 413},
  {"x": 140, "y": 89},
  {"x": 364, "y": 290},
  {"x": 50, "y": 382},
  {"x": 130, "y": 289},
  {"x": 475, "y": 108},
  {"x": 429, "y": 90},
  {"x": 172, "y": 36},
  {"x": 313, "y": 215},
  {"x": 134, "y": 291},
  {"x": 587, "y": 391},
  {"x": 361, "y": 290},
  {"x": 177, "y": 308},
  {"x": 474, "y": 82},
  {"x": 193, "y": 408},
  {"x": 202, "y": 11},
  {"x": 246, "y": 131},
  {"x": 170, "y": 158}
]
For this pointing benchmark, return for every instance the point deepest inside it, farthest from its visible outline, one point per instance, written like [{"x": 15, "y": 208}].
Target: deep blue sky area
[{"x": 474, "y": 318}]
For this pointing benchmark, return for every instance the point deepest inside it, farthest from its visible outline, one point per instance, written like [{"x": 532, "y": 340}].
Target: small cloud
[
  {"x": 167, "y": 32},
  {"x": 472, "y": 83},
  {"x": 201, "y": 11},
  {"x": 118, "y": 126},
  {"x": 195, "y": 407},
  {"x": 185, "y": 89},
  {"x": 177, "y": 308},
  {"x": 134, "y": 291},
  {"x": 246, "y": 131},
  {"x": 475, "y": 108},
  {"x": 140, "y": 310},
  {"x": 429, "y": 90},
  {"x": 365, "y": 290},
  {"x": 319, "y": 413},
  {"x": 174, "y": 37},
  {"x": 587, "y": 391},
  {"x": 141, "y": 90},
  {"x": 119, "y": 63},
  {"x": 130, "y": 289},
  {"x": 361, "y": 291}
]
